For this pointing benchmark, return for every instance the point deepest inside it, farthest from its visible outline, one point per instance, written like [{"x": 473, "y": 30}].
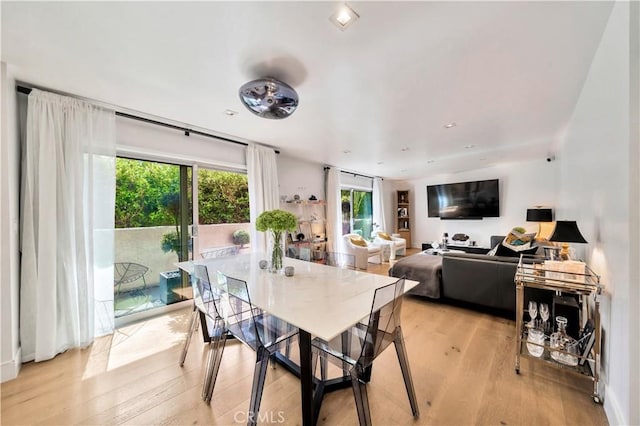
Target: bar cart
[{"x": 584, "y": 286}]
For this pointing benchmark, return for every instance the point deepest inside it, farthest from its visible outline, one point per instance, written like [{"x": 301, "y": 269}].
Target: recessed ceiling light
[
  {"x": 469, "y": 146},
  {"x": 430, "y": 161},
  {"x": 344, "y": 17},
  {"x": 450, "y": 125},
  {"x": 230, "y": 112},
  {"x": 380, "y": 162},
  {"x": 346, "y": 151},
  {"x": 404, "y": 170},
  {"x": 406, "y": 148}
]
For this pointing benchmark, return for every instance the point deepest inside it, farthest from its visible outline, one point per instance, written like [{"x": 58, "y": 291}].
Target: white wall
[
  {"x": 522, "y": 185},
  {"x": 598, "y": 180},
  {"x": 9, "y": 201},
  {"x": 302, "y": 177}
]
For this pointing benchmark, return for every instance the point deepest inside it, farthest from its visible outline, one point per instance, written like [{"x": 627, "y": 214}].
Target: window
[{"x": 357, "y": 210}]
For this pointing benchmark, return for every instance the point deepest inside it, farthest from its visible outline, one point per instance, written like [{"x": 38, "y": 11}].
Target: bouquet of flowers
[{"x": 276, "y": 222}]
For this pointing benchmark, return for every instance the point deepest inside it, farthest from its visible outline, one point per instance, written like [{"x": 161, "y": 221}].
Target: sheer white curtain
[
  {"x": 378, "y": 204},
  {"x": 68, "y": 197},
  {"x": 334, "y": 210},
  {"x": 262, "y": 176}
]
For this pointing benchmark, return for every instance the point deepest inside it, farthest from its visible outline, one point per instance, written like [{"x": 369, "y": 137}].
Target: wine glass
[
  {"x": 544, "y": 314},
  {"x": 533, "y": 313}
]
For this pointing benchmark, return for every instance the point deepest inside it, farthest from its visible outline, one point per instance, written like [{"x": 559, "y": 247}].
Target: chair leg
[
  {"x": 192, "y": 327},
  {"x": 218, "y": 350},
  {"x": 360, "y": 395},
  {"x": 406, "y": 373},
  {"x": 259, "y": 374}
]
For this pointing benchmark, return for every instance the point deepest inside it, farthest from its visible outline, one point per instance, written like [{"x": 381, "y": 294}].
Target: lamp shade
[
  {"x": 539, "y": 215},
  {"x": 567, "y": 232}
]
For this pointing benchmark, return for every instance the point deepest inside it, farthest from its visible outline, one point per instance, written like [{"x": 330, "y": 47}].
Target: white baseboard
[
  {"x": 612, "y": 408},
  {"x": 10, "y": 369}
]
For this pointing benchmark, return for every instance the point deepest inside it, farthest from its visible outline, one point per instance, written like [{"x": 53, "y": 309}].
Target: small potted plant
[
  {"x": 240, "y": 237},
  {"x": 276, "y": 223}
]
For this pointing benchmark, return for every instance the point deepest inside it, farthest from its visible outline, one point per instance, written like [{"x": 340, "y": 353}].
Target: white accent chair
[
  {"x": 363, "y": 254},
  {"x": 398, "y": 244}
]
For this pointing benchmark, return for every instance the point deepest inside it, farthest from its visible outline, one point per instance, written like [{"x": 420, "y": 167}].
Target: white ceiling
[{"x": 508, "y": 73}]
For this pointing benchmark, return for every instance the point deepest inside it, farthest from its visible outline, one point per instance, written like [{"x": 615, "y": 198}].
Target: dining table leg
[{"x": 306, "y": 378}]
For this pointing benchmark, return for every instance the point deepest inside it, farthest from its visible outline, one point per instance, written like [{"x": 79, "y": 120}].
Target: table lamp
[
  {"x": 566, "y": 232},
  {"x": 540, "y": 215}
]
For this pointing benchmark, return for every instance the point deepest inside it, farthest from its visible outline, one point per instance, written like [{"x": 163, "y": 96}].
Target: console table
[{"x": 466, "y": 249}]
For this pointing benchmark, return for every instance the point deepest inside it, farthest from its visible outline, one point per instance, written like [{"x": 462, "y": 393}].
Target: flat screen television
[{"x": 464, "y": 200}]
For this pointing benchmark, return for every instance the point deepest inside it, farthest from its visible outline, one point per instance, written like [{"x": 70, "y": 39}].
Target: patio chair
[
  {"x": 127, "y": 272},
  {"x": 359, "y": 346},
  {"x": 215, "y": 252}
]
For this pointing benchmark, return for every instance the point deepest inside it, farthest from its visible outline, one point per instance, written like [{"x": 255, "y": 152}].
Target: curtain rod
[
  {"x": 354, "y": 174},
  {"x": 187, "y": 131}
]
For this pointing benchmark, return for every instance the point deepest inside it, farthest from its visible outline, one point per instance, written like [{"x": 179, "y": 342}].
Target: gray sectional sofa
[{"x": 477, "y": 279}]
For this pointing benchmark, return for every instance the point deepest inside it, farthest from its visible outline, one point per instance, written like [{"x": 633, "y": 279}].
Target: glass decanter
[{"x": 562, "y": 341}]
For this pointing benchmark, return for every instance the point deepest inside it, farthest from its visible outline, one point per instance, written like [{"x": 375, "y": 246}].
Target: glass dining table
[{"x": 320, "y": 300}]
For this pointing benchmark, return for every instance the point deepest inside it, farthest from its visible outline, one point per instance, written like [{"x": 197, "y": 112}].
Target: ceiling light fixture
[
  {"x": 344, "y": 17},
  {"x": 346, "y": 151},
  {"x": 230, "y": 112},
  {"x": 380, "y": 162},
  {"x": 406, "y": 148},
  {"x": 269, "y": 98},
  {"x": 469, "y": 146},
  {"x": 430, "y": 161},
  {"x": 450, "y": 125}
]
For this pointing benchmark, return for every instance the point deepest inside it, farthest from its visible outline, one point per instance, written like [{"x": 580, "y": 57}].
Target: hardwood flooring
[{"x": 462, "y": 363}]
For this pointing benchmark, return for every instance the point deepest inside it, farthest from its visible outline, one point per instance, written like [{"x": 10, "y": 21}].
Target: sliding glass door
[
  {"x": 152, "y": 217},
  {"x": 156, "y": 206},
  {"x": 357, "y": 208}
]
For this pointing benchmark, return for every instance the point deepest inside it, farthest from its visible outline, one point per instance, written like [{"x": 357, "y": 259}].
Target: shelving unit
[
  {"x": 313, "y": 229},
  {"x": 586, "y": 287},
  {"x": 403, "y": 218}
]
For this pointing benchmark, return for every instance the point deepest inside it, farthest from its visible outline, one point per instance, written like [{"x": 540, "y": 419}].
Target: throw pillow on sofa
[
  {"x": 358, "y": 241},
  {"x": 384, "y": 236},
  {"x": 502, "y": 250},
  {"x": 517, "y": 242}
]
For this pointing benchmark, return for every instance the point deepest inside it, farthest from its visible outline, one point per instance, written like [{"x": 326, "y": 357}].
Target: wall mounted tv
[{"x": 464, "y": 200}]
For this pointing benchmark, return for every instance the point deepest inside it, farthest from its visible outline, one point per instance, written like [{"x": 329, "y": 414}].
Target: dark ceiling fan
[{"x": 269, "y": 98}]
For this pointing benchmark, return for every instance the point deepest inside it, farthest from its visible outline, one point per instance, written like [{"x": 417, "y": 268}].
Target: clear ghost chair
[
  {"x": 204, "y": 296},
  {"x": 262, "y": 332},
  {"x": 358, "y": 347},
  {"x": 341, "y": 260}
]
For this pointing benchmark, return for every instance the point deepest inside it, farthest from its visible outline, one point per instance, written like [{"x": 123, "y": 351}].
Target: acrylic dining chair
[
  {"x": 204, "y": 296},
  {"x": 262, "y": 332},
  {"x": 359, "y": 346}
]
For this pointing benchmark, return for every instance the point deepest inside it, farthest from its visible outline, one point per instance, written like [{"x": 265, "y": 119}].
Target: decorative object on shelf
[
  {"x": 313, "y": 198},
  {"x": 276, "y": 223},
  {"x": 269, "y": 98},
  {"x": 263, "y": 264},
  {"x": 565, "y": 232},
  {"x": 445, "y": 240},
  {"x": 460, "y": 237},
  {"x": 289, "y": 271}
]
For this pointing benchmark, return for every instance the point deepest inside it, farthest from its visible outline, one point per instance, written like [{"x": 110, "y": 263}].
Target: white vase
[{"x": 275, "y": 251}]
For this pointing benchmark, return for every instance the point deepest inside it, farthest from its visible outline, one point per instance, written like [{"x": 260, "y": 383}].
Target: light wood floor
[{"x": 462, "y": 363}]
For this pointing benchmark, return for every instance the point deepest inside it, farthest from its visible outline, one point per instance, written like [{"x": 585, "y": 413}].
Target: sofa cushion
[{"x": 384, "y": 236}]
